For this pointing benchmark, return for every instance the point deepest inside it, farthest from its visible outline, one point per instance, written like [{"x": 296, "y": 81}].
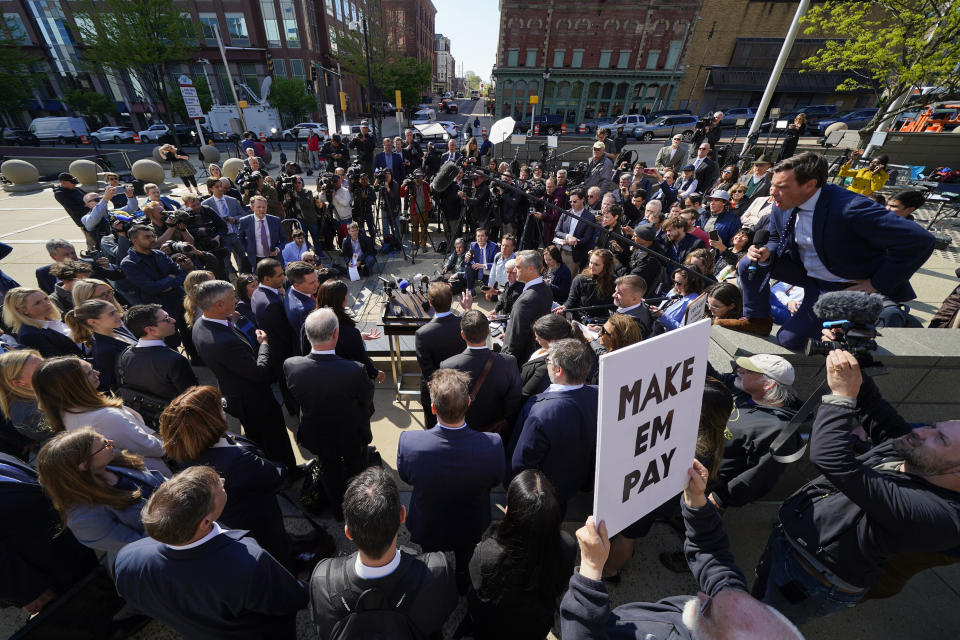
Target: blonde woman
[
  {"x": 17, "y": 399},
  {"x": 66, "y": 391},
  {"x": 99, "y": 324},
  {"x": 190, "y": 284},
  {"x": 94, "y": 289},
  {"x": 36, "y": 322},
  {"x": 471, "y": 152},
  {"x": 97, "y": 489},
  {"x": 180, "y": 166}
]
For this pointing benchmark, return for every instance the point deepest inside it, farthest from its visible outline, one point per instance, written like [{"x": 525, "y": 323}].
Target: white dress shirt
[
  {"x": 803, "y": 233},
  {"x": 372, "y": 573}
]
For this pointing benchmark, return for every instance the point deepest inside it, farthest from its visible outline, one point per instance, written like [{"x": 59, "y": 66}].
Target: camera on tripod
[{"x": 354, "y": 174}]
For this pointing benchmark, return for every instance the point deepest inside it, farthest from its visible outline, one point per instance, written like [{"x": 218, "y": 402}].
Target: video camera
[
  {"x": 175, "y": 246},
  {"x": 354, "y": 174},
  {"x": 853, "y": 317},
  {"x": 327, "y": 184},
  {"x": 703, "y": 122},
  {"x": 182, "y": 216},
  {"x": 123, "y": 222}
]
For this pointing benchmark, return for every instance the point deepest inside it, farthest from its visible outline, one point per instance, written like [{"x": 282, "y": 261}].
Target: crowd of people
[{"x": 109, "y": 438}]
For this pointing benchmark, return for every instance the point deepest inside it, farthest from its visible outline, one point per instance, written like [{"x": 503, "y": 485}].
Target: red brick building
[
  {"x": 410, "y": 29},
  {"x": 604, "y": 57}
]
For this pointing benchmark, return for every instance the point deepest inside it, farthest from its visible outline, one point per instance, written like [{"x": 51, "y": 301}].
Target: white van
[
  {"x": 423, "y": 116},
  {"x": 62, "y": 130}
]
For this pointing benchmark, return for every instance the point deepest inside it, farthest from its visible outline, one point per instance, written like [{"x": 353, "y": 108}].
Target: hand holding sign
[
  {"x": 594, "y": 548},
  {"x": 694, "y": 493}
]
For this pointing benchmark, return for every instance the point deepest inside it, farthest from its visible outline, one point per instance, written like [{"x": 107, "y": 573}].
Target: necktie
[
  {"x": 223, "y": 208},
  {"x": 787, "y": 236},
  {"x": 264, "y": 238}
]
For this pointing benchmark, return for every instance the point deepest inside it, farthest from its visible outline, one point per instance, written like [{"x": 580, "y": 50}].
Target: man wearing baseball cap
[
  {"x": 599, "y": 170},
  {"x": 764, "y": 405}
]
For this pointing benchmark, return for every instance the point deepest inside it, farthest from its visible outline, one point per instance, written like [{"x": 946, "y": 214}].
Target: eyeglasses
[
  {"x": 602, "y": 331},
  {"x": 678, "y": 282},
  {"x": 107, "y": 444},
  {"x": 726, "y": 171}
]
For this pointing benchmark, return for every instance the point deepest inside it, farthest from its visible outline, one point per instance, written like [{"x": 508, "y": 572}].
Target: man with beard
[{"x": 899, "y": 500}]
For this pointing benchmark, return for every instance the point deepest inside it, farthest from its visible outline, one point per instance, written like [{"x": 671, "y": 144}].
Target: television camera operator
[
  {"x": 481, "y": 201},
  {"x": 364, "y": 198},
  {"x": 416, "y": 192},
  {"x": 254, "y": 185},
  {"x": 450, "y": 199},
  {"x": 335, "y": 153},
  {"x": 200, "y": 260},
  {"x": 364, "y": 145},
  {"x": 208, "y": 229},
  {"x": 513, "y": 206},
  {"x": 388, "y": 205},
  {"x": 337, "y": 203}
]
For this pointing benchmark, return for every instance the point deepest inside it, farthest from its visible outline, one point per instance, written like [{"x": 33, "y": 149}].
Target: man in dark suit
[
  {"x": 230, "y": 211},
  {"x": 244, "y": 375},
  {"x": 150, "y": 365},
  {"x": 268, "y": 308},
  {"x": 628, "y": 296},
  {"x": 704, "y": 168},
  {"x": 557, "y": 429},
  {"x": 482, "y": 253},
  {"x": 825, "y": 238},
  {"x": 495, "y": 403},
  {"x": 574, "y": 236},
  {"x": 261, "y": 235},
  {"x": 452, "y": 469},
  {"x": 535, "y": 301},
  {"x": 390, "y": 159},
  {"x": 300, "y": 300},
  {"x": 452, "y": 155},
  {"x": 336, "y": 402},
  {"x": 227, "y": 584},
  {"x": 423, "y": 583},
  {"x": 436, "y": 341}
]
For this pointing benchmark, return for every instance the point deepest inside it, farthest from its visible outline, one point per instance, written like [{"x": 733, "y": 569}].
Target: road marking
[{"x": 42, "y": 224}]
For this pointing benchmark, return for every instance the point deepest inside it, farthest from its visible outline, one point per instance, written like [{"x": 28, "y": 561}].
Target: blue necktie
[{"x": 787, "y": 236}]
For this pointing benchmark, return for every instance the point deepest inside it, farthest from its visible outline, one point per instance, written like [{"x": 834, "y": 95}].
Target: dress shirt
[
  {"x": 217, "y": 320},
  {"x": 803, "y": 234},
  {"x": 323, "y": 352},
  {"x": 484, "y": 251},
  {"x": 263, "y": 250},
  {"x": 372, "y": 573},
  {"x": 562, "y": 387},
  {"x": 224, "y": 212},
  {"x": 470, "y": 346},
  {"x": 214, "y": 532},
  {"x": 58, "y": 326},
  {"x": 537, "y": 280},
  {"x": 442, "y": 314},
  {"x": 630, "y": 308},
  {"x": 445, "y": 426},
  {"x": 276, "y": 291}
]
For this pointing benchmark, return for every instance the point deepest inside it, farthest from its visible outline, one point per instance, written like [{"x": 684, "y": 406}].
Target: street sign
[
  {"x": 534, "y": 99},
  {"x": 190, "y": 98},
  {"x": 399, "y": 100}
]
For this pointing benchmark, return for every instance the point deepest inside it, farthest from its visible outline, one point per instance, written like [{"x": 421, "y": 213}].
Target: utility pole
[{"x": 226, "y": 66}]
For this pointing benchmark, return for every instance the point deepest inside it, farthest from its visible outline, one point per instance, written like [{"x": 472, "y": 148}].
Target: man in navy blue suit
[
  {"x": 390, "y": 159},
  {"x": 825, "y": 238},
  {"x": 557, "y": 431},
  {"x": 300, "y": 301},
  {"x": 482, "y": 254},
  {"x": 574, "y": 236},
  {"x": 261, "y": 235},
  {"x": 226, "y": 584},
  {"x": 452, "y": 469}
]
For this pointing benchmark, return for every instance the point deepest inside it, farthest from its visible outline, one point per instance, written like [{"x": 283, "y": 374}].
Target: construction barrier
[
  {"x": 136, "y": 138},
  {"x": 483, "y": 131},
  {"x": 563, "y": 129},
  {"x": 583, "y": 128},
  {"x": 263, "y": 138},
  {"x": 536, "y": 129},
  {"x": 83, "y": 140}
]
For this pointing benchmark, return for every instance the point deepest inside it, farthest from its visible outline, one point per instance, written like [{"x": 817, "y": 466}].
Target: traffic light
[
  {"x": 313, "y": 73},
  {"x": 269, "y": 64}
]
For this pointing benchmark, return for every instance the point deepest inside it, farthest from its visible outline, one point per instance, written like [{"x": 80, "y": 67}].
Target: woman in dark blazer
[
  {"x": 333, "y": 294},
  {"x": 194, "y": 432},
  {"x": 99, "y": 324},
  {"x": 593, "y": 287},
  {"x": 533, "y": 372},
  {"x": 557, "y": 275},
  {"x": 31, "y": 315}
]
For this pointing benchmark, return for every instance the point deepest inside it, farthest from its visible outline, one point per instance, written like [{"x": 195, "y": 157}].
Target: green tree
[
  {"x": 472, "y": 80},
  {"x": 412, "y": 78},
  {"x": 90, "y": 104},
  {"x": 289, "y": 96},
  {"x": 203, "y": 93},
  {"x": 17, "y": 72},
  {"x": 143, "y": 38},
  {"x": 889, "y": 47}
]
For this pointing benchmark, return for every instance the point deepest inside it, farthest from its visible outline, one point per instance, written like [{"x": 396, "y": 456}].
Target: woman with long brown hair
[
  {"x": 619, "y": 331},
  {"x": 594, "y": 286},
  {"x": 194, "y": 432},
  {"x": 557, "y": 274},
  {"x": 333, "y": 294},
  {"x": 97, "y": 489},
  {"x": 97, "y": 323},
  {"x": 66, "y": 389}
]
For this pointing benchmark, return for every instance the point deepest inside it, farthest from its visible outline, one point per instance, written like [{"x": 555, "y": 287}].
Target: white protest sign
[
  {"x": 650, "y": 397},
  {"x": 331, "y": 119}
]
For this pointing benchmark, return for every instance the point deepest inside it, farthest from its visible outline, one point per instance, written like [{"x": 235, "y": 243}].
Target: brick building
[
  {"x": 733, "y": 46},
  {"x": 409, "y": 25},
  {"x": 604, "y": 57},
  {"x": 445, "y": 69},
  {"x": 295, "y": 33}
]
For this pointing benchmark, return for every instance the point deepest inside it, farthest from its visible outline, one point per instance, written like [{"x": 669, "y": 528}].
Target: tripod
[
  {"x": 531, "y": 235},
  {"x": 383, "y": 208}
]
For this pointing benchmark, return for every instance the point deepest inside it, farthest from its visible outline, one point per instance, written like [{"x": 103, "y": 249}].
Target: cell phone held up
[{"x": 715, "y": 236}]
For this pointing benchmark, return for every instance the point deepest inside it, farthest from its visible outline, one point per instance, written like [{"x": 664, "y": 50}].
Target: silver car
[{"x": 665, "y": 127}]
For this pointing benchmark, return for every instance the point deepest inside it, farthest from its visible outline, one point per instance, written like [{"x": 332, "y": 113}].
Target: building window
[
  {"x": 330, "y": 8},
  {"x": 624, "y": 61},
  {"x": 531, "y": 58},
  {"x": 512, "y": 55},
  {"x": 653, "y": 57},
  {"x": 18, "y": 32},
  {"x": 270, "y": 24},
  {"x": 290, "y": 32},
  {"x": 577, "y": 61},
  {"x": 279, "y": 68},
  {"x": 237, "y": 28},
  {"x": 558, "y": 57},
  {"x": 604, "y": 58},
  {"x": 673, "y": 54},
  {"x": 296, "y": 69},
  {"x": 248, "y": 75},
  {"x": 208, "y": 26}
]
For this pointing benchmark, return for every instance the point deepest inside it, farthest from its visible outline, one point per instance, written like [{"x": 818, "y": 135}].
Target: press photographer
[
  {"x": 513, "y": 206},
  {"x": 388, "y": 204},
  {"x": 300, "y": 204},
  {"x": 337, "y": 203},
  {"x": 254, "y": 185},
  {"x": 198, "y": 260},
  {"x": 416, "y": 192},
  {"x": 481, "y": 201},
  {"x": 364, "y": 145}
]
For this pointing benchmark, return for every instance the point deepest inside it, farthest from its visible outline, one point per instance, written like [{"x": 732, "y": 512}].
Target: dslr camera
[{"x": 180, "y": 216}]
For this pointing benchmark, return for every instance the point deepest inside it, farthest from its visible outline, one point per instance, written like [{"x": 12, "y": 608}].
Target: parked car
[
  {"x": 160, "y": 132},
  {"x": 60, "y": 129},
  {"x": 856, "y": 119},
  {"x": 154, "y": 132},
  {"x": 666, "y": 127},
  {"x": 113, "y": 134},
  {"x": 431, "y": 131},
  {"x": 304, "y": 129},
  {"x": 549, "y": 124},
  {"x": 385, "y": 107},
  {"x": 19, "y": 137},
  {"x": 355, "y": 130},
  {"x": 423, "y": 116},
  {"x": 629, "y": 122},
  {"x": 730, "y": 116},
  {"x": 448, "y": 106},
  {"x": 667, "y": 112}
]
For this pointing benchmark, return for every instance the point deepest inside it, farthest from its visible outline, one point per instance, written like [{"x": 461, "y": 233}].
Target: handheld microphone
[{"x": 760, "y": 239}]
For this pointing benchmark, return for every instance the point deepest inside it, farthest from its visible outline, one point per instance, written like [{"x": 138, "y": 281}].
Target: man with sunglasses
[{"x": 722, "y": 609}]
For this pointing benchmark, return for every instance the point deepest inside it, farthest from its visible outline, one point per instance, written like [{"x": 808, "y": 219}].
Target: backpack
[{"x": 371, "y": 614}]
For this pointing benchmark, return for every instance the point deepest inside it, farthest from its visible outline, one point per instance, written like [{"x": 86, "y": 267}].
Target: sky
[{"x": 472, "y": 27}]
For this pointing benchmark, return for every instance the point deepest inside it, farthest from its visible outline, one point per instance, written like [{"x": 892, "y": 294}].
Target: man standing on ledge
[{"x": 825, "y": 238}]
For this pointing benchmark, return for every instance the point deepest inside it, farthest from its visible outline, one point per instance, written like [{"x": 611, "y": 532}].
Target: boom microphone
[
  {"x": 855, "y": 306},
  {"x": 760, "y": 239},
  {"x": 445, "y": 177}
]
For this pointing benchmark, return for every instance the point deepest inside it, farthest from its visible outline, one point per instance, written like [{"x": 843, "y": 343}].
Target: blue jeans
[
  {"x": 806, "y": 598},
  {"x": 390, "y": 225},
  {"x": 803, "y": 324}
]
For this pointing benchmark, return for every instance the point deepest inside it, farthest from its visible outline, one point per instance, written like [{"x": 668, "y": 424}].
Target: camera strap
[{"x": 796, "y": 422}]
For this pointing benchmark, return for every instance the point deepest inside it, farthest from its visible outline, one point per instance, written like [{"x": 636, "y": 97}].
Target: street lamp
[{"x": 540, "y": 93}]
